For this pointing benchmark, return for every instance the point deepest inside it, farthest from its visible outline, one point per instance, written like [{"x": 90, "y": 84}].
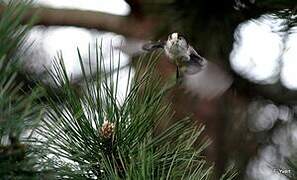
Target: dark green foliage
[
  {"x": 291, "y": 172},
  {"x": 289, "y": 15},
  {"x": 72, "y": 136},
  {"x": 277, "y": 3},
  {"x": 91, "y": 133},
  {"x": 14, "y": 104},
  {"x": 18, "y": 111}
]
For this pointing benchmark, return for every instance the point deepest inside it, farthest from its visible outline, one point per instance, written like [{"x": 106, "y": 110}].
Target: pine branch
[
  {"x": 291, "y": 171},
  {"x": 93, "y": 134},
  {"x": 128, "y": 26},
  {"x": 19, "y": 112}
]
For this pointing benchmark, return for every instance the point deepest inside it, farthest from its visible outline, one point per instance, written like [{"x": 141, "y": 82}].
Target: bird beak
[{"x": 174, "y": 36}]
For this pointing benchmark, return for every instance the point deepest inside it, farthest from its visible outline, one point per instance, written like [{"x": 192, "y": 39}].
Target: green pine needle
[
  {"x": 91, "y": 133},
  {"x": 19, "y": 110}
]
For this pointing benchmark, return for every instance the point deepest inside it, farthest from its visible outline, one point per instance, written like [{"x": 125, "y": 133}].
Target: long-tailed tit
[
  {"x": 183, "y": 55},
  {"x": 199, "y": 76}
]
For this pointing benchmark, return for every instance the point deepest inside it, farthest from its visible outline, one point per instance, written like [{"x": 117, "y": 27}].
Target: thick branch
[{"x": 89, "y": 19}]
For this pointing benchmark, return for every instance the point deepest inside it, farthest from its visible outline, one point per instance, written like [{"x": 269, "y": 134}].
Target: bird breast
[{"x": 176, "y": 50}]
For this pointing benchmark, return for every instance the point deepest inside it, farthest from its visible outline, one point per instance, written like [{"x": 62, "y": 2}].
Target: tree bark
[{"x": 125, "y": 25}]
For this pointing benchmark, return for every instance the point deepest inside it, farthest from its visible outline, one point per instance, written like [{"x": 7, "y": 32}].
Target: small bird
[
  {"x": 198, "y": 76},
  {"x": 183, "y": 55}
]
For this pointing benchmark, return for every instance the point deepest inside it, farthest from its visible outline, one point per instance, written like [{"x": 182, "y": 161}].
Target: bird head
[
  {"x": 173, "y": 36},
  {"x": 176, "y": 38},
  {"x": 176, "y": 43}
]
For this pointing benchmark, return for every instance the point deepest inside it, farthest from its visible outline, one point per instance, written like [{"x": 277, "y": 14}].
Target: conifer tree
[
  {"x": 92, "y": 133},
  {"x": 19, "y": 111}
]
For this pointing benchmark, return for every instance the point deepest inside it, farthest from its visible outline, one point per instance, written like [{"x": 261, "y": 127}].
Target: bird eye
[{"x": 180, "y": 37}]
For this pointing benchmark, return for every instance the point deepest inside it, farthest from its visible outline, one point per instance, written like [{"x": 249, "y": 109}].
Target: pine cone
[{"x": 107, "y": 129}]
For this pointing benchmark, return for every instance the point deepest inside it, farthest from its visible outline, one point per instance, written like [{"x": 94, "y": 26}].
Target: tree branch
[{"x": 127, "y": 26}]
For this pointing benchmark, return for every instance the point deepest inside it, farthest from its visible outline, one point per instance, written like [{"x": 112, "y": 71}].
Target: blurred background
[{"x": 247, "y": 96}]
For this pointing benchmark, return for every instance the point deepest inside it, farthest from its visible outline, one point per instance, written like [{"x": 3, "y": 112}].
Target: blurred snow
[
  {"x": 285, "y": 113},
  {"x": 279, "y": 144},
  {"x": 117, "y": 7},
  {"x": 257, "y": 49},
  {"x": 262, "y": 116},
  {"x": 270, "y": 163},
  {"x": 48, "y": 42},
  {"x": 285, "y": 138},
  {"x": 265, "y": 165},
  {"x": 263, "y": 54},
  {"x": 289, "y": 64}
]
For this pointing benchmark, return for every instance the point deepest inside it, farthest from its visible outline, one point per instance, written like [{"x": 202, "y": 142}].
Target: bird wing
[
  {"x": 151, "y": 46},
  {"x": 212, "y": 81},
  {"x": 196, "y": 62}
]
